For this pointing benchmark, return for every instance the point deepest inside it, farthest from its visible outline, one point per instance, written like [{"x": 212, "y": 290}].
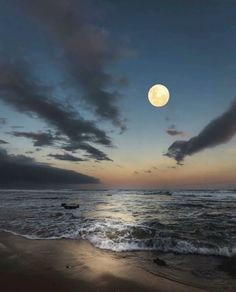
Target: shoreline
[
  {"x": 72, "y": 265},
  {"x": 31, "y": 237},
  {"x": 76, "y": 265}
]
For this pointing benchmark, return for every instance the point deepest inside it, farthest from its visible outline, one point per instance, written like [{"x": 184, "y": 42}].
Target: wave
[
  {"x": 122, "y": 244},
  {"x": 163, "y": 245}
]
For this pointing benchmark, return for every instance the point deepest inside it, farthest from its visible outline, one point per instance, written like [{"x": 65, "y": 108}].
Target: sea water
[{"x": 186, "y": 222}]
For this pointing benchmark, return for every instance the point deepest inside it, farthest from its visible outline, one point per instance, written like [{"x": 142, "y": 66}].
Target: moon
[{"x": 158, "y": 95}]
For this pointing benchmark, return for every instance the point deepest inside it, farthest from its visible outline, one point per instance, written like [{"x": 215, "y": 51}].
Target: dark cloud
[
  {"x": 3, "y": 141},
  {"x": 93, "y": 152},
  {"x": 217, "y": 132},
  {"x": 148, "y": 171},
  {"x": 172, "y": 167},
  {"x": 88, "y": 51},
  {"x": 136, "y": 172},
  {"x": 67, "y": 157},
  {"x": 19, "y": 89},
  {"x": 23, "y": 170},
  {"x": 40, "y": 139},
  {"x": 172, "y": 131}
]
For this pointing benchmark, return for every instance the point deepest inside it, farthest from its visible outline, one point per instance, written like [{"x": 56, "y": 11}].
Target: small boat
[{"x": 70, "y": 206}]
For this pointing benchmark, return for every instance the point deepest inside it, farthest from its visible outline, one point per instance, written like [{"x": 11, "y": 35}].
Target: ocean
[{"x": 184, "y": 222}]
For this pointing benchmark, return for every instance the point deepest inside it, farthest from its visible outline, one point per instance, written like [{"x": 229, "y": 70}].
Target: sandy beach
[
  {"x": 75, "y": 265},
  {"x": 71, "y": 265}
]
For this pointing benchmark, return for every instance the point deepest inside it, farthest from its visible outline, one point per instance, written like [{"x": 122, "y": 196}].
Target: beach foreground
[
  {"x": 71, "y": 265},
  {"x": 75, "y": 265}
]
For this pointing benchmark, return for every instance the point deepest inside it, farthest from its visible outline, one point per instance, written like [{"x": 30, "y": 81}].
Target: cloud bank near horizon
[{"x": 24, "y": 170}]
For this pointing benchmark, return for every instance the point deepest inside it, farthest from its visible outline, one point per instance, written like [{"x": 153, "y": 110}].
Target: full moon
[{"x": 158, "y": 95}]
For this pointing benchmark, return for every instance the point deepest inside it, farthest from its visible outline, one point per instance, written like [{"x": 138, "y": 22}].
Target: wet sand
[{"x": 75, "y": 265}]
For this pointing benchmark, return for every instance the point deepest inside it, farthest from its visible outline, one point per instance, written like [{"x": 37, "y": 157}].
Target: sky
[{"x": 74, "y": 79}]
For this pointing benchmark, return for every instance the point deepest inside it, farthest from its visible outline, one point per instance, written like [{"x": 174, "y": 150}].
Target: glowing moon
[{"x": 158, "y": 95}]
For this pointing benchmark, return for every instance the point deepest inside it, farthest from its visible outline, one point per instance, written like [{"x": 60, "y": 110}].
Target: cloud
[
  {"x": 119, "y": 166},
  {"x": 172, "y": 131},
  {"x": 20, "y": 89},
  {"x": 218, "y": 131},
  {"x": 20, "y": 169},
  {"x": 148, "y": 171},
  {"x": 40, "y": 139},
  {"x": 93, "y": 152},
  {"x": 3, "y": 141},
  {"x": 88, "y": 52},
  {"x": 67, "y": 157}
]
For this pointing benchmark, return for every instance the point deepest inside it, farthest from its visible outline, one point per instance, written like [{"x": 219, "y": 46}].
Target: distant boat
[{"x": 70, "y": 206}]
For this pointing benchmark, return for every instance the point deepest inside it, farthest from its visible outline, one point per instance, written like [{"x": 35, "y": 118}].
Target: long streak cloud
[{"x": 218, "y": 131}]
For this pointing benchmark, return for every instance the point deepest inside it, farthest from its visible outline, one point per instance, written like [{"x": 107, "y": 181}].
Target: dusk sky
[{"x": 74, "y": 79}]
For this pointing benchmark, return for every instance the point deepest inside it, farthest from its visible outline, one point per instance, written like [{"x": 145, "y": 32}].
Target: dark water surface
[{"x": 186, "y": 222}]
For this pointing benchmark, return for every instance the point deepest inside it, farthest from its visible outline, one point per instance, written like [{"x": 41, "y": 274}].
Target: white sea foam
[
  {"x": 182, "y": 247},
  {"x": 121, "y": 245}
]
